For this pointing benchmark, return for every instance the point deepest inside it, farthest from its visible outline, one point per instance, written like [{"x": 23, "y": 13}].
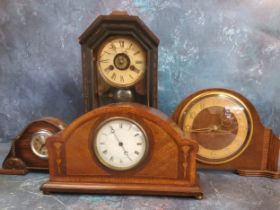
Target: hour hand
[
  {"x": 126, "y": 154},
  {"x": 201, "y": 130},
  {"x": 41, "y": 147},
  {"x": 109, "y": 68}
]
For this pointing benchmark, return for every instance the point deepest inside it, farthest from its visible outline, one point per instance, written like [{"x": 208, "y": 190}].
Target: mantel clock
[
  {"x": 28, "y": 150},
  {"x": 123, "y": 148},
  {"x": 119, "y": 57},
  {"x": 229, "y": 133}
]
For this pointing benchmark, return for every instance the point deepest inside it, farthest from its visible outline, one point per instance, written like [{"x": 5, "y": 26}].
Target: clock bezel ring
[{"x": 120, "y": 169}]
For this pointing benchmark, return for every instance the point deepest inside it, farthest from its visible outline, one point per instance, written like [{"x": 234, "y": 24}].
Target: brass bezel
[
  {"x": 101, "y": 160},
  {"x": 230, "y": 95},
  {"x": 119, "y": 85},
  {"x": 35, "y": 152}
]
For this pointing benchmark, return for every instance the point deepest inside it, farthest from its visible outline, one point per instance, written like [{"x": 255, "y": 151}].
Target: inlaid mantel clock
[
  {"x": 119, "y": 61},
  {"x": 229, "y": 132},
  {"x": 123, "y": 148}
]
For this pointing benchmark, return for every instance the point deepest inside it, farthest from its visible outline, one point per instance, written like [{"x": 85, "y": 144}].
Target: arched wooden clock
[
  {"x": 123, "y": 148},
  {"x": 28, "y": 150},
  {"x": 119, "y": 56},
  {"x": 229, "y": 133}
]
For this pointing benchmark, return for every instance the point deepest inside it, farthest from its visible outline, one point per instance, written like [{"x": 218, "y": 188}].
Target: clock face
[
  {"x": 38, "y": 143},
  {"x": 220, "y": 123},
  {"x": 120, "y": 144},
  {"x": 121, "y": 61}
]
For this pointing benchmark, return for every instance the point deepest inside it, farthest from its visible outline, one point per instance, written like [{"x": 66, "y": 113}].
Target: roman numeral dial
[
  {"x": 120, "y": 144},
  {"x": 121, "y": 61}
]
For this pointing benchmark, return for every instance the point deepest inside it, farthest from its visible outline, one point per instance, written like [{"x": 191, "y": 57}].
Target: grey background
[{"x": 231, "y": 44}]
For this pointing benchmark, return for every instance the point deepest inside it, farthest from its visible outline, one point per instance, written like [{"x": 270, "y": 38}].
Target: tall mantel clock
[{"x": 119, "y": 61}]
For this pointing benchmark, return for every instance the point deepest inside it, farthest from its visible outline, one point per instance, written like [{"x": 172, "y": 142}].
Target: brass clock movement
[
  {"x": 119, "y": 56},
  {"x": 229, "y": 133},
  {"x": 124, "y": 148},
  {"x": 28, "y": 151}
]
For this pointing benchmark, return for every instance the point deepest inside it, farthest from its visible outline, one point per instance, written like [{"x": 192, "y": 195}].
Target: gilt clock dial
[
  {"x": 38, "y": 143},
  {"x": 121, "y": 61},
  {"x": 120, "y": 144},
  {"x": 220, "y": 123}
]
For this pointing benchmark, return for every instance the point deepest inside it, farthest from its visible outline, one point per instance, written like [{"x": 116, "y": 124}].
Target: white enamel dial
[{"x": 120, "y": 144}]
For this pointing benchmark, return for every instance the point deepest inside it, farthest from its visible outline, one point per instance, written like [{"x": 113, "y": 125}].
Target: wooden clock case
[
  {"x": 117, "y": 24},
  {"x": 260, "y": 158},
  {"x": 169, "y": 168},
  {"x": 21, "y": 159}
]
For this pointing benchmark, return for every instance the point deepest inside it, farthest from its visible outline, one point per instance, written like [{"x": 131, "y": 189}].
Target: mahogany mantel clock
[
  {"x": 119, "y": 57},
  {"x": 28, "y": 151},
  {"x": 229, "y": 133},
  {"x": 123, "y": 148}
]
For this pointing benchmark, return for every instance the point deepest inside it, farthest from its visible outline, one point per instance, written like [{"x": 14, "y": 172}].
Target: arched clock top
[
  {"x": 123, "y": 147},
  {"x": 135, "y": 111}
]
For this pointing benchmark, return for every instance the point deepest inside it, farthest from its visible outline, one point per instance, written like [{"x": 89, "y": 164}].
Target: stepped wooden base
[
  {"x": 13, "y": 171},
  {"x": 264, "y": 173},
  {"x": 121, "y": 189}
]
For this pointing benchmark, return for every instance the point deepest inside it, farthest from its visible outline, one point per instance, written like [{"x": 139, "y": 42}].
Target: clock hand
[
  {"x": 198, "y": 130},
  {"x": 41, "y": 147},
  {"x": 109, "y": 68},
  {"x": 120, "y": 143},
  {"x": 126, "y": 154},
  {"x": 133, "y": 68},
  {"x": 42, "y": 141},
  {"x": 224, "y": 131},
  {"x": 213, "y": 128}
]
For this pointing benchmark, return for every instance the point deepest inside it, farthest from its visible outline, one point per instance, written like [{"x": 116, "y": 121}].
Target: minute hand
[
  {"x": 209, "y": 129},
  {"x": 198, "y": 130},
  {"x": 121, "y": 144}
]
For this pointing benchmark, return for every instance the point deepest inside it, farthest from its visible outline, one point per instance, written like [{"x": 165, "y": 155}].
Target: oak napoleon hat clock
[{"x": 229, "y": 133}]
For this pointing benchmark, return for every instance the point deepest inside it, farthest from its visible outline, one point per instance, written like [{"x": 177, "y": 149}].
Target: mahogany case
[{"x": 169, "y": 169}]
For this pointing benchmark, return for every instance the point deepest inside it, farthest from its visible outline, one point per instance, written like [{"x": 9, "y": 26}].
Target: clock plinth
[
  {"x": 124, "y": 189},
  {"x": 264, "y": 173},
  {"x": 143, "y": 153},
  {"x": 270, "y": 166}
]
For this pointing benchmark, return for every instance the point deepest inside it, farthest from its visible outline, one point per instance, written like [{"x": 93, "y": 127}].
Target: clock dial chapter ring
[
  {"x": 120, "y": 144},
  {"x": 38, "y": 143},
  {"x": 121, "y": 61},
  {"x": 220, "y": 123}
]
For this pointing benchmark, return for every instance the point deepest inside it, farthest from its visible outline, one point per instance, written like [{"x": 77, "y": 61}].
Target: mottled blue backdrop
[{"x": 231, "y": 44}]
